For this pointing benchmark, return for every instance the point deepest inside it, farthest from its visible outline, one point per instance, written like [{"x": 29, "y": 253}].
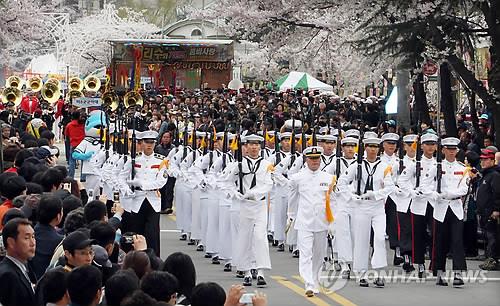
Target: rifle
[
  {"x": 359, "y": 160},
  {"x": 338, "y": 152},
  {"x": 133, "y": 148},
  {"x": 314, "y": 138},
  {"x": 263, "y": 144},
  {"x": 292, "y": 143},
  {"x": 211, "y": 148},
  {"x": 194, "y": 144},
  {"x": 276, "y": 145},
  {"x": 224, "y": 149},
  {"x": 439, "y": 166},
  {"x": 401, "y": 155},
  {"x": 185, "y": 140},
  {"x": 418, "y": 158},
  {"x": 240, "y": 163}
]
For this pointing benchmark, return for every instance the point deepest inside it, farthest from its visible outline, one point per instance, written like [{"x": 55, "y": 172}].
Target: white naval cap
[
  {"x": 450, "y": 142},
  {"x": 138, "y": 135},
  {"x": 370, "y": 134},
  {"x": 149, "y": 135},
  {"x": 201, "y": 134},
  {"x": 352, "y": 133},
  {"x": 219, "y": 134},
  {"x": 374, "y": 140},
  {"x": 410, "y": 138},
  {"x": 273, "y": 133},
  {"x": 327, "y": 138},
  {"x": 347, "y": 140},
  {"x": 313, "y": 151},
  {"x": 324, "y": 130},
  {"x": 230, "y": 136},
  {"x": 293, "y": 123},
  {"x": 429, "y": 137},
  {"x": 285, "y": 135},
  {"x": 252, "y": 138},
  {"x": 390, "y": 137}
]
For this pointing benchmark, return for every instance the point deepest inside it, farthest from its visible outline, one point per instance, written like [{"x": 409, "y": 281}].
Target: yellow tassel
[
  {"x": 164, "y": 163},
  {"x": 387, "y": 170},
  {"x": 309, "y": 141},
  {"x": 234, "y": 145},
  {"x": 269, "y": 138},
  {"x": 356, "y": 148},
  {"x": 190, "y": 138},
  {"x": 299, "y": 142},
  {"x": 414, "y": 144},
  {"x": 270, "y": 168},
  {"x": 203, "y": 143},
  {"x": 328, "y": 208}
]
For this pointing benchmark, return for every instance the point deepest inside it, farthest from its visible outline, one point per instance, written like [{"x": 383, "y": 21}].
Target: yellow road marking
[
  {"x": 331, "y": 294},
  {"x": 299, "y": 290}
]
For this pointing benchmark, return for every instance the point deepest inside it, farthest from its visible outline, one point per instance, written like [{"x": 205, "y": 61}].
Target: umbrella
[{"x": 301, "y": 80}]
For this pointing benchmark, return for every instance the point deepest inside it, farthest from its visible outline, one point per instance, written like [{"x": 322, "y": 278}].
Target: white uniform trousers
[
  {"x": 203, "y": 217},
  {"x": 195, "y": 214},
  {"x": 180, "y": 207},
  {"x": 344, "y": 234},
  {"x": 252, "y": 240},
  {"x": 312, "y": 248},
  {"x": 280, "y": 216},
  {"x": 364, "y": 220},
  {"x": 225, "y": 240},
  {"x": 235, "y": 232},
  {"x": 92, "y": 184},
  {"x": 212, "y": 230},
  {"x": 271, "y": 200}
]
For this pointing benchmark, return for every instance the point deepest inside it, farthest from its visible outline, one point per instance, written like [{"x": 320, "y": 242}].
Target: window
[{"x": 196, "y": 32}]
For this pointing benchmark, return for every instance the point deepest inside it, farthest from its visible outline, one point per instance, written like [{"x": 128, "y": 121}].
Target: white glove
[
  {"x": 238, "y": 196},
  {"x": 444, "y": 195},
  {"x": 435, "y": 195},
  {"x": 401, "y": 193},
  {"x": 135, "y": 182},
  {"x": 369, "y": 195}
]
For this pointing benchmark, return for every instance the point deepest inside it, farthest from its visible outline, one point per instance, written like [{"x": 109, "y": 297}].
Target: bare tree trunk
[
  {"x": 421, "y": 106},
  {"x": 447, "y": 107}
]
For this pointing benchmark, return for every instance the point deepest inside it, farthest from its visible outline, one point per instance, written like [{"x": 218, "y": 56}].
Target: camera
[{"x": 246, "y": 298}]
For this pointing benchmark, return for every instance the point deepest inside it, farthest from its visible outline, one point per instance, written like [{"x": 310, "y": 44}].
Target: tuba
[
  {"x": 35, "y": 83},
  {"x": 12, "y": 95},
  {"x": 132, "y": 99},
  {"x": 92, "y": 83},
  {"x": 110, "y": 99},
  {"x": 14, "y": 81},
  {"x": 75, "y": 83},
  {"x": 73, "y": 94},
  {"x": 51, "y": 92}
]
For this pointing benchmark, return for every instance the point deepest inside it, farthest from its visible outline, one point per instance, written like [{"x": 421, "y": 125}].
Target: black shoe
[
  {"x": 247, "y": 281},
  {"x": 379, "y": 282},
  {"x": 275, "y": 243},
  {"x": 183, "y": 237},
  {"x": 441, "y": 282},
  {"x": 167, "y": 211},
  {"x": 363, "y": 282},
  {"x": 270, "y": 237},
  {"x": 408, "y": 267},
  {"x": 191, "y": 242},
  {"x": 227, "y": 267},
  {"x": 261, "y": 282},
  {"x": 458, "y": 281},
  {"x": 240, "y": 274},
  {"x": 309, "y": 293},
  {"x": 215, "y": 260},
  {"x": 398, "y": 260},
  {"x": 421, "y": 271},
  {"x": 208, "y": 255},
  {"x": 290, "y": 248},
  {"x": 281, "y": 247},
  {"x": 337, "y": 266},
  {"x": 254, "y": 273},
  {"x": 295, "y": 254},
  {"x": 346, "y": 274},
  {"x": 200, "y": 248}
]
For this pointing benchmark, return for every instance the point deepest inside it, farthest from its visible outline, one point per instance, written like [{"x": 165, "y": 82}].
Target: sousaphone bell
[
  {"x": 35, "y": 83},
  {"x": 92, "y": 83},
  {"x": 12, "y": 95},
  {"x": 132, "y": 99},
  {"x": 110, "y": 100}
]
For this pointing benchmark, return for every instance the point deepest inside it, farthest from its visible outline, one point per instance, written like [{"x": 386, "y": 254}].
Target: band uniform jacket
[{"x": 454, "y": 185}]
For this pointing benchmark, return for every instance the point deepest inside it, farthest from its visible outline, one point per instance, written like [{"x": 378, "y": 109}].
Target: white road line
[{"x": 169, "y": 231}]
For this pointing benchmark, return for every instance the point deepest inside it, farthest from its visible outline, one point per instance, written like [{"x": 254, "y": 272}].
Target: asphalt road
[{"x": 286, "y": 288}]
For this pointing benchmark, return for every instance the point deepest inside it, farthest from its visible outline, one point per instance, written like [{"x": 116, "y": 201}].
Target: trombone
[{"x": 92, "y": 83}]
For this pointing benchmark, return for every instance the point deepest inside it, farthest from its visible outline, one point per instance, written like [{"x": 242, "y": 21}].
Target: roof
[
  {"x": 185, "y": 22},
  {"x": 174, "y": 41}
]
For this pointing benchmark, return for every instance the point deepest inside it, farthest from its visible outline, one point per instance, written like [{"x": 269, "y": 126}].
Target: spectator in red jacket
[{"x": 75, "y": 132}]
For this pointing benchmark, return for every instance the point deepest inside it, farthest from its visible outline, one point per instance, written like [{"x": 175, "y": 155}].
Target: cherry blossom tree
[{"x": 85, "y": 43}]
